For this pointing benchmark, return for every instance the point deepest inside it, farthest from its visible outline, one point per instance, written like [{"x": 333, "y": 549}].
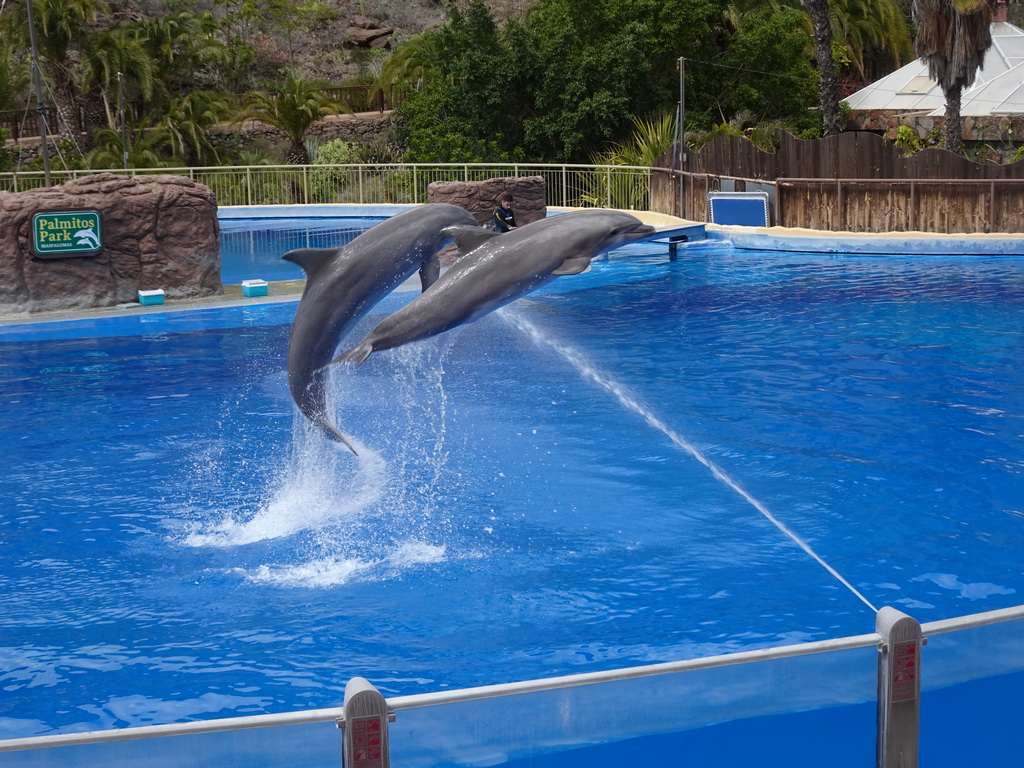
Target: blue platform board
[{"x": 746, "y": 209}]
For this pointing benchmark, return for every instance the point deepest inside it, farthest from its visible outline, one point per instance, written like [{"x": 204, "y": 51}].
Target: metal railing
[
  {"x": 463, "y": 727},
  {"x": 604, "y": 186}
]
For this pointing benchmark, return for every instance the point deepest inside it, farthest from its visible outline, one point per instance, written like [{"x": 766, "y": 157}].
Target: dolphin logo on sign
[{"x": 87, "y": 237}]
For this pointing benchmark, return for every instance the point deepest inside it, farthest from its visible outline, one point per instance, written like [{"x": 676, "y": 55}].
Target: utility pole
[
  {"x": 40, "y": 108},
  {"x": 120, "y": 109},
  {"x": 681, "y": 131}
]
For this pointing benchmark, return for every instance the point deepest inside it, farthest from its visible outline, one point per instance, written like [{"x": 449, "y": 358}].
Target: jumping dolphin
[
  {"x": 497, "y": 269},
  {"x": 342, "y": 284}
]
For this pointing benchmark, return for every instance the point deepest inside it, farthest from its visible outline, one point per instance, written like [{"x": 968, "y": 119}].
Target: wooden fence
[
  {"x": 851, "y": 155},
  {"x": 902, "y": 205},
  {"x": 855, "y": 182}
]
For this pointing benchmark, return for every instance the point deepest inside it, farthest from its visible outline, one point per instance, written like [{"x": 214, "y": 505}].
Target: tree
[
  {"x": 187, "y": 123},
  {"x": 60, "y": 27},
  {"x": 410, "y": 64},
  {"x": 471, "y": 106},
  {"x": 292, "y": 110},
  {"x": 555, "y": 85},
  {"x": 650, "y": 140},
  {"x": 148, "y": 147},
  {"x": 767, "y": 71},
  {"x": 828, "y": 80},
  {"x": 293, "y": 17},
  {"x": 871, "y": 27},
  {"x": 113, "y": 51},
  {"x": 952, "y": 37},
  {"x": 14, "y": 78}
]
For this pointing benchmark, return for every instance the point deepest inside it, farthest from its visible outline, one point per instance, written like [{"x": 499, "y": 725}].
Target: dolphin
[
  {"x": 342, "y": 284},
  {"x": 499, "y": 268}
]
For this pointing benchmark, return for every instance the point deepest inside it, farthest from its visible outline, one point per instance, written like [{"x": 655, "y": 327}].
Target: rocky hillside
[{"x": 356, "y": 38}]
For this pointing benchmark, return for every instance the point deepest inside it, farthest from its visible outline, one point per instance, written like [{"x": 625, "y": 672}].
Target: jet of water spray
[{"x": 575, "y": 358}]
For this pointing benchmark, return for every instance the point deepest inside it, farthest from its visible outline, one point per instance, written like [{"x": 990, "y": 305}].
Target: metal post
[
  {"x": 38, "y": 81},
  {"x": 682, "y": 134},
  {"x": 899, "y": 689},
  {"x": 120, "y": 109},
  {"x": 365, "y": 726}
]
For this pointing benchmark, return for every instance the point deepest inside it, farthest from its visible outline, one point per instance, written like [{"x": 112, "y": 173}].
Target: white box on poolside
[
  {"x": 151, "y": 297},
  {"x": 254, "y": 287}
]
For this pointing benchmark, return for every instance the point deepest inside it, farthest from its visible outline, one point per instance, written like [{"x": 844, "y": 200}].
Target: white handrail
[{"x": 504, "y": 689}]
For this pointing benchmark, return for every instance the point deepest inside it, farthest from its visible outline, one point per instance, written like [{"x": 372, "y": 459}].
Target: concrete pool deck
[
  {"x": 775, "y": 238},
  {"x": 278, "y": 292}
]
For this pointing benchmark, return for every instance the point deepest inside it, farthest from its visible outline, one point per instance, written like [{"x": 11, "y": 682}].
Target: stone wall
[
  {"x": 357, "y": 130},
  {"x": 1002, "y": 133},
  {"x": 480, "y": 198},
  {"x": 365, "y": 129},
  {"x": 158, "y": 232}
]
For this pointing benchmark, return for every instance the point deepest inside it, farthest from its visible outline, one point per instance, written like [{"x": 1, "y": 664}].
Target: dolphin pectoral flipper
[
  {"x": 429, "y": 272},
  {"x": 468, "y": 238},
  {"x": 573, "y": 266},
  {"x": 356, "y": 355}
]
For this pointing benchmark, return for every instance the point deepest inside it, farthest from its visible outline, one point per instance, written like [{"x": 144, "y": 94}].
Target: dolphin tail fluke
[
  {"x": 333, "y": 433},
  {"x": 356, "y": 355}
]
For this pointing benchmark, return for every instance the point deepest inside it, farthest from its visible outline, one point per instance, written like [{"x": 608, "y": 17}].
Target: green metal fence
[{"x": 608, "y": 186}]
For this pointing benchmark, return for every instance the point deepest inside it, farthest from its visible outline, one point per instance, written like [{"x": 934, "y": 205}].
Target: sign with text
[{"x": 61, "y": 234}]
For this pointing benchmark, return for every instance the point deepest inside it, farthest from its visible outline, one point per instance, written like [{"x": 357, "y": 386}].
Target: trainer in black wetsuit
[{"x": 504, "y": 219}]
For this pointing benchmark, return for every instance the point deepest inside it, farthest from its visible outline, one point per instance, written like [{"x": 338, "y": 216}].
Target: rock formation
[
  {"x": 480, "y": 198},
  {"x": 365, "y": 32},
  {"x": 157, "y": 232}
]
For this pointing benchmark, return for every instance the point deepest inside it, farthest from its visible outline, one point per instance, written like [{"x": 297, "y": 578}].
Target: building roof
[{"x": 998, "y": 88}]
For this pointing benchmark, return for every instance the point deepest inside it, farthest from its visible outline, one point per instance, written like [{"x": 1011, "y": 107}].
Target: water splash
[
  {"x": 365, "y": 517},
  {"x": 334, "y": 571},
  {"x": 631, "y": 403},
  {"x": 321, "y": 485}
]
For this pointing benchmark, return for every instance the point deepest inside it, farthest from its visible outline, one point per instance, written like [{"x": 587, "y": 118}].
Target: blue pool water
[
  {"x": 526, "y": 502},
  {"x": 250, "y": 249}
]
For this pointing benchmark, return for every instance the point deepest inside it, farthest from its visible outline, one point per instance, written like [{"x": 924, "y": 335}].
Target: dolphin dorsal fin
[
  {"x": 573, "y": 266},
  {"x": 468, "y": 237},
  {"x": 312, "y": 260}
]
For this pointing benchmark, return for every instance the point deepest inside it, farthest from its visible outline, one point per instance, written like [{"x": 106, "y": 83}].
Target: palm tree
[
  {"x": 410, "y": 65},
  {"x": 14, "y": 78},
  {"x": 763, "y": 134},
  {"x": 952, "y": 37},
  {"x": 650, "y": 140},
  {"x": 60, "y": 32},
  {"x": 187, "y": 122},
  {"x": 148, "y": 148},
  {"x": 854, "y": 26},
  {"x": 870, "y": 26},
  {"x": 184, "y": 48},
  {"x": 292, "y": 110},
  {"x": 117, "y": 50},
  {"x": 828, "y": 81}
]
